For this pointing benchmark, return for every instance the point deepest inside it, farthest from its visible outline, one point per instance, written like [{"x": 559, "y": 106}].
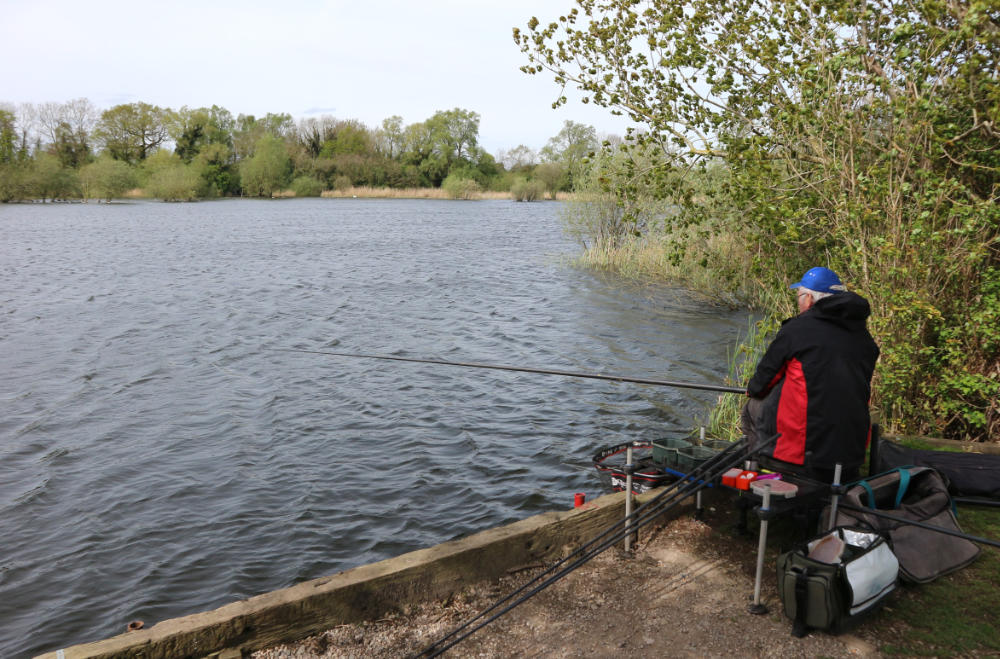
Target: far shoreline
[
  {"x": 346, "y": 193},
  {"x": 418, "y": 193}
]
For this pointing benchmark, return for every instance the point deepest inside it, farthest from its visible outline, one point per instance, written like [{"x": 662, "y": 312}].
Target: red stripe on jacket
[{"x": 792, "y": 418}]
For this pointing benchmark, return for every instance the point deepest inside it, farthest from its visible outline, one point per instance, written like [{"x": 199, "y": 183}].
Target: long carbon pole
[
  {"x": 698, "y": 479},
  {"x": 922, "y": 525},
  {"x": 527, "y": 369}
]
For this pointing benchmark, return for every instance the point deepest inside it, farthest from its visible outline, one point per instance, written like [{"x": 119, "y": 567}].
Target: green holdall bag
[{"x": 835, "y": 577}]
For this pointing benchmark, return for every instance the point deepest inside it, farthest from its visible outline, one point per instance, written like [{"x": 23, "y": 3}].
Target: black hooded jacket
[{"x": 816, "y": 377}]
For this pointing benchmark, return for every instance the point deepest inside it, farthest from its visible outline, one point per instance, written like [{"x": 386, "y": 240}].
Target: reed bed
[
  {"x": 365, "y": 192},
  {"x": 655, "y": 258},
  {"x": 718, "y": 268}
]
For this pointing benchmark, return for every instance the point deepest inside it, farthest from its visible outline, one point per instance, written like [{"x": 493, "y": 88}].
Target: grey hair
[{"x": 816, "y": 295}]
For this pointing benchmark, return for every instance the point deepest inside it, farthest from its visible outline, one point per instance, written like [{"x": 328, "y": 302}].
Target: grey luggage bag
[{"x": 919, "y": 494}]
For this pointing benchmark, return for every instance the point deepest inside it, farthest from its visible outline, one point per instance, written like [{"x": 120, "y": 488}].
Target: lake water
[{"x": 160, "y": 456}]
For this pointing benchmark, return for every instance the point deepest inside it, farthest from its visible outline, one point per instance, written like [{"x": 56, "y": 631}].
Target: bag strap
[
  {"x": 904, "y": 483},
  {"x": 799, "y": 627},
  {"x": 871, "y": 495}
]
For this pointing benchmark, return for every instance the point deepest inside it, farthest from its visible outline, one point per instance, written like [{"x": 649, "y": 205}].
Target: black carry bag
[
  {"x": 919, "y": 494},
  {"x": 967, "y": 474},
  {"x": 835, "y": 577}
]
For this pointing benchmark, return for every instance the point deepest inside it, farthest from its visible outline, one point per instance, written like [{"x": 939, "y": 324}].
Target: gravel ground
[{"x": 681, "y": 594}]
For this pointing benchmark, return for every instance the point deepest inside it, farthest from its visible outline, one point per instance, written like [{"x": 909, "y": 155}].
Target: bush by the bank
[
  {"x": 106, "y": 178},
  {"x": 307, "y": 186},
  {"x": 176, "y": 183},
  {"x": 457, "y": 187},
  {"x": 862, "y": 141},
  {"x": 524, "y": 190}
]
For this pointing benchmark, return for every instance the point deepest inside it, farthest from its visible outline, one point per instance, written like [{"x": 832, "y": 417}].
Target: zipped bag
[
  {"x": 913, "y": 493},
  {"x": 835, "y": 577}
]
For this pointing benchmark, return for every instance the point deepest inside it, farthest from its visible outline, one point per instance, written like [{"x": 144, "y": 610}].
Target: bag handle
[
  {"x": 799, "y": 627},
  {"x": 904, "y": 483},
  {"x": 871, "y": 495}
]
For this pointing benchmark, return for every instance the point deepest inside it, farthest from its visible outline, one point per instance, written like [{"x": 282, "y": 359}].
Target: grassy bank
[
  {"x": 365, "y": 192},
  {"x": 954, "y": 616},
  {"x": 653, "y": 258}
]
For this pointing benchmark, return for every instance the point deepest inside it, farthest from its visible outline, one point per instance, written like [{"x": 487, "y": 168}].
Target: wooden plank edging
[{"x": 367, "y": 592}]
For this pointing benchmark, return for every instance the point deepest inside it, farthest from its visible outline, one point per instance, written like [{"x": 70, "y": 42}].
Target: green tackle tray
[
  {"x": 716, "y": 444},
  {"x": 665, "y": 451},
  {"x": 689, "y": 458}
]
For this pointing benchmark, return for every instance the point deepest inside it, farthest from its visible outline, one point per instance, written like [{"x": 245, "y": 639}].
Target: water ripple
[{"x": 159, "y": 457}]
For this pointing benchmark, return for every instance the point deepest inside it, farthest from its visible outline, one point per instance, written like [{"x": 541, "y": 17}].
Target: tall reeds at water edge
[
  {"x": 724, "y": 419},
  {"x": 363, "y": 192},
  {"x": 716, "y": 268}
]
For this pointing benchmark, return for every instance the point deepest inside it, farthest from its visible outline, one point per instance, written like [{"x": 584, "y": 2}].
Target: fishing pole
[
  {"x": 528, "y": 369},
  {"x": 922, "y": 525},
  {"x": 701, "y": 477}
]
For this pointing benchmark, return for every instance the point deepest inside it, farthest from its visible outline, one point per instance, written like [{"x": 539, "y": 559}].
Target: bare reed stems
[
  {"x": 716, "y": 267},
  {"x": 411, "y": 193}
]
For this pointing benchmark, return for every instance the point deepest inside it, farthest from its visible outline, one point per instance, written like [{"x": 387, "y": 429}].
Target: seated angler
[{"x": 813, "y": 384}]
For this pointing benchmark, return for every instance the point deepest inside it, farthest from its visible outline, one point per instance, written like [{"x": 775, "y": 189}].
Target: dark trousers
[
  {"x": 807, "y": 518},
  {"x": 751, "y": 422}
]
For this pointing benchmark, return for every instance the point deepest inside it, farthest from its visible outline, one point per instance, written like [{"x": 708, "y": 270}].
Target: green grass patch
[
  {"x": 923, "y": 444},
  {"x": 956, "y": 614}
]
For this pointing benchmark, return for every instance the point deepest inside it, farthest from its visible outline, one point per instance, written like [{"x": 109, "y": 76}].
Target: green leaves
[
  {"x": 132, "y": 131},
  {"x": 859, "y": 136},
  {"x": 267, "y": 171}
]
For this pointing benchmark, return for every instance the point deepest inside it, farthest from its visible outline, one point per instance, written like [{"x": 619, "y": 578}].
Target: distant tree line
[{"x": 74, "y": 150}]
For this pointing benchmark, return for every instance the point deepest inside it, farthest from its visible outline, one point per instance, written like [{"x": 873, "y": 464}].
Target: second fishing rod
[
  {"x": 695, "y": 481},
  {"x": 701, "y": 477},
  {"x": 527, "y": 369}
]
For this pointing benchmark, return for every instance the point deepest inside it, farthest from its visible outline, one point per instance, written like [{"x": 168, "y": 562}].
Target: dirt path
[{"x": 682, "y": 594}]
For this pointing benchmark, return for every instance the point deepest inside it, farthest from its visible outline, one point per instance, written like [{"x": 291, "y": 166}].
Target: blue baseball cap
[{"x": 821, "y": 280}]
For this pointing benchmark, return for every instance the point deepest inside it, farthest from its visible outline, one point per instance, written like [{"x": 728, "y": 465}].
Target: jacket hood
[{"x": 846, "y": 309}]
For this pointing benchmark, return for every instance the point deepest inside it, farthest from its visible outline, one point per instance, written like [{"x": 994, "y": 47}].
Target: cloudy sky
[{"x": 353, "y": 59}]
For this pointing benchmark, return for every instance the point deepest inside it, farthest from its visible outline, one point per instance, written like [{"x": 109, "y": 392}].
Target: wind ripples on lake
[{"x": 159, "y": 454}]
